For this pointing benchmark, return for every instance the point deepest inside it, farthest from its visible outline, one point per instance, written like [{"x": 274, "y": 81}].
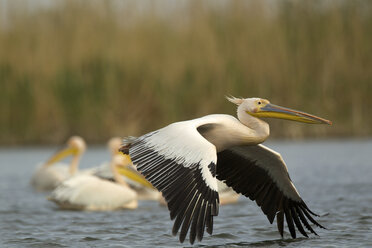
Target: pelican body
[
  {"x": 184, "y": 160},
  {"x": 89, "y": 192},
  {"x": 50, "y": 174}
]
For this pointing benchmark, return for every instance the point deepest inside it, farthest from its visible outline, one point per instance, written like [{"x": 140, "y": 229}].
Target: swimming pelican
[
  {"x": 184, "y": 160},
  {"x": 49, "y": 175},
  {"x": 89, "y": 192},
  {"x": 135, "y": 180},
  {"x": 104, "y": 170}
]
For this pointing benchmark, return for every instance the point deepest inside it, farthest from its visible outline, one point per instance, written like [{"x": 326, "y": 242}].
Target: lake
[{"x": 333, "y": 177}]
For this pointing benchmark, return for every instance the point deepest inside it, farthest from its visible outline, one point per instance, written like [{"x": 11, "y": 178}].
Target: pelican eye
[{"x": 259, "y": 103}]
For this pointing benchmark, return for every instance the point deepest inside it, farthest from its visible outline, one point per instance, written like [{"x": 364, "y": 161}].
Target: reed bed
[{"x": 105, "y": 68}]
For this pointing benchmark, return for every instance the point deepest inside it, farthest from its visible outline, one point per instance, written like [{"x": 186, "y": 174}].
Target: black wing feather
[
  {"x": 190, "y": 200},
  {"x": 289, "y": 219},
  {"x": 297, "y": 222},
  {"x": 246, "y": 176}
]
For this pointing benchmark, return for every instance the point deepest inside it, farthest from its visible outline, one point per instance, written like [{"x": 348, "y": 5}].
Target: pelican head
[
  {"x": 121, "y": 161},
  {"x": 261, "y": 108},
  {"x": 75, "y": 147},
  {"x": 77, "y": 143},
  {"x": 114, "y": 144}
]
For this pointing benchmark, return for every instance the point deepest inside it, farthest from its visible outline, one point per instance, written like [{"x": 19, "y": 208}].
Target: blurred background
[
  {"x": 104, "y": 68},
  {"x": 108, "y": 68}
]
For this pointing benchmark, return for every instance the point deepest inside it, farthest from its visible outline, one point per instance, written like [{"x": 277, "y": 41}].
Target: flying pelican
[
  {"x": 135, "y": 180},
  {"x": 89, "y": 192},
  {"x": 184, "y": 160},
  {"x": 49, "y": 175}
]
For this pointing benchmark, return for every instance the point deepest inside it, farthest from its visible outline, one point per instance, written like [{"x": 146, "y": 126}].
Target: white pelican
[
  {"x": 49, "y": 175},
  {"x": 137, "y": 182},
  {"x": 104, "y": 170},
  {"x": 89, "y": 192},
  {"x": 184, "y": 160}
]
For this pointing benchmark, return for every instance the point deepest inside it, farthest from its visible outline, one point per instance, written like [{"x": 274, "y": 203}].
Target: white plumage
[
  {"x": 89, "y": 192},
  {"x": 184, "y": 160},
  {"x": 165, "y": 142},
  {"x": 48, "y": 178}
]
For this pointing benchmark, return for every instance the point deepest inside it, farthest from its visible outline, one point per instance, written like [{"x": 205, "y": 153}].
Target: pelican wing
[
  {"x": 261, "y": 174},
  {"x": 180, "y": 163}
]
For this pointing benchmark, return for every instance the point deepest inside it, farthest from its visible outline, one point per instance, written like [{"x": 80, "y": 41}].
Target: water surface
[{"x": 334, "y": 178}]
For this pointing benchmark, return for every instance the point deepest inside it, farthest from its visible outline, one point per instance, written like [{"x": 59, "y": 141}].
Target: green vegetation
[{"x": 100, "y": 69}]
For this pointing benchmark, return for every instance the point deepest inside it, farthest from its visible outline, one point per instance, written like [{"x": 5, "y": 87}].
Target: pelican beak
[
  {"x": 274, "y": 111},
  {"x": 132, "y": 174},
  {"x": 62, "y": 154}
]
